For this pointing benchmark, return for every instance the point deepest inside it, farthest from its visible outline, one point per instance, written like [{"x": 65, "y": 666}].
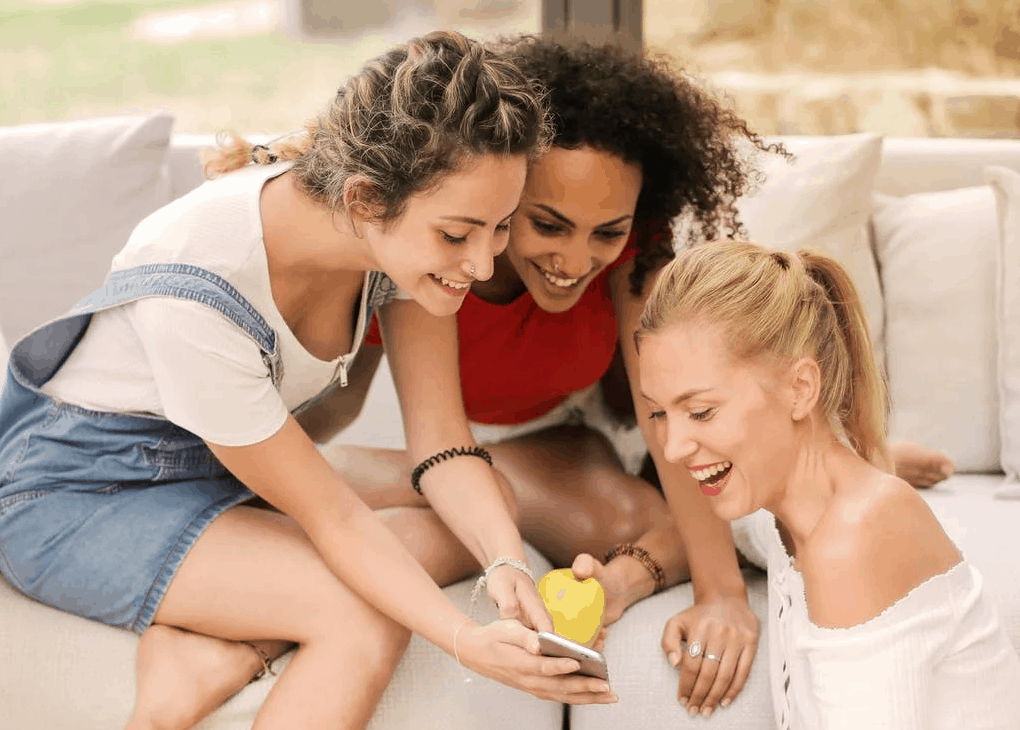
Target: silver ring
[
  {"x": 694, "y": 649},
  {"x": 713, "y": 657}
]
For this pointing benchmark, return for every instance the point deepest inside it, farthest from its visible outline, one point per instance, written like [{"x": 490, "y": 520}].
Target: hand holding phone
[{"x": 593, "y": 663}]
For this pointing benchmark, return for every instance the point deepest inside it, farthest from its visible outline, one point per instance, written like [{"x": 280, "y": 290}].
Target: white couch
[{"x": 927, "y": 268}]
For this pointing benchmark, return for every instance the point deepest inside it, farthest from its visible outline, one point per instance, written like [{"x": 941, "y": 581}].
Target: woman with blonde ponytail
[
  {"x": 758, "y": 371},
  {"x": 140, "y": 427}
]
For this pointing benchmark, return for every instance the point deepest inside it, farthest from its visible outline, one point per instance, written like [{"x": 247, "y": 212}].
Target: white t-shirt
[
  {"x": 183, "y": 360},
  {"x": 937, "y": 659}
]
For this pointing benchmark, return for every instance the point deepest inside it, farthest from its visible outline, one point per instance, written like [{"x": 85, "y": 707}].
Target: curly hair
[
  {"x": 642, "y": 109},
  {"x": 409, "y": 117}
]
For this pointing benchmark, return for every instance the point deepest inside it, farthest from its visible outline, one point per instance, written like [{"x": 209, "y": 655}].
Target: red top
[{"x": 518, "y": 362}]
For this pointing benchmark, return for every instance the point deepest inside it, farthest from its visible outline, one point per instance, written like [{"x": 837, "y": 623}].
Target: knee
[
  {"x": 369, "y": 640},
  {"x": 381, "y": 648},
  {"x": 627, "y": 511}
]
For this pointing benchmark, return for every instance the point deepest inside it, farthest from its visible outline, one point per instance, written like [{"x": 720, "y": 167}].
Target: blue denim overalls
[{"x": 98, "y": 510}]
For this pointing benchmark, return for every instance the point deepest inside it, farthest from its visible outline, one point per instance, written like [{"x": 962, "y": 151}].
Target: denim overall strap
[{"x": 38, "y": 356}]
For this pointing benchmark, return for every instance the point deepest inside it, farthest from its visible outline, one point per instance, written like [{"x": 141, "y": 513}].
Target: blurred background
[{"x": 900, "y": 67}]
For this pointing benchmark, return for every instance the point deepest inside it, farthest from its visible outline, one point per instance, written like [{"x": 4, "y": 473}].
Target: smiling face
[
  {"x": 463, "y": 222},
  {"x": 576, "y": 213},
  {"x": 728, "y": 421}
]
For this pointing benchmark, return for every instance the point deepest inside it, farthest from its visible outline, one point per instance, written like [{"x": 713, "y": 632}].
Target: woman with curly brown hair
[
  {"x": 139, "y": 427},
  {"x": 637, "y": 145}
]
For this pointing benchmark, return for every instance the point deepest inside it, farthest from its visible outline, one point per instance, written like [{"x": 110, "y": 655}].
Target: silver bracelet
[
  {"x": 483, "y": 579},
  {"x": 477, "y": 591}
]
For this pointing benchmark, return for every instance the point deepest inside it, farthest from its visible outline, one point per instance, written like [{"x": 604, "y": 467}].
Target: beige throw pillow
[
  {"x": 72, "y": 194},
  {"x": 937, "y": 256},
  {"x": 822, "y": 201},
  {"x": 1006, "y": 184}
]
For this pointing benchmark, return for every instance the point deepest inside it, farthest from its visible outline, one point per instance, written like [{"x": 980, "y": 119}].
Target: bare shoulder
[{"x": 876, "y": 542}]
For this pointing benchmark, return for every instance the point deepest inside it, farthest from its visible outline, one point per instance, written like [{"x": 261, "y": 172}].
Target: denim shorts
[{"x": 98, "y": 510}]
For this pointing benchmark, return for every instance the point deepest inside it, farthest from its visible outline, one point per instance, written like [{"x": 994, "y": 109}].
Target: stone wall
[{"x": 901, "y": 67}]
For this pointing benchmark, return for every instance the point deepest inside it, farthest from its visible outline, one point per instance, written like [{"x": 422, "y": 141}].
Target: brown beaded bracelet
[
  {"x": 642, "y": 556},
  {"x": 443, "y": 456}
]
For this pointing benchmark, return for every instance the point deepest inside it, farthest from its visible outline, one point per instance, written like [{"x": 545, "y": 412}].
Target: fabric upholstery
[
  {"x": 647, "y": 685},
  {"x": 937, "y": 255},
  {"x": 82, "y": 677},
  {"x": 1006, "y": 183},
  {"x": 822, "y": 201},
  {"x": 984, "y": 529},
  {"x": 80, "y": 189}
]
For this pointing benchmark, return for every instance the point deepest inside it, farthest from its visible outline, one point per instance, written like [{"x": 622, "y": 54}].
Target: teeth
[
  {"x": 703, "y": 474},
  {"x": 452, "y": 284},
  {"x": 558, "y": 281}
]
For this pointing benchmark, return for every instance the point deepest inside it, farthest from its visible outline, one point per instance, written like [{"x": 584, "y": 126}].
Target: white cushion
[
  {"x": 72, "y": 194},
  {"x": 936, "y": 252},
  {"x": 647, "y": 685},
  {"x": 1006, "y": 183},
  {"x": 985, "y": 530},
  {"x": 822, "y": 202},
  {"x": 68, "y": 673}
]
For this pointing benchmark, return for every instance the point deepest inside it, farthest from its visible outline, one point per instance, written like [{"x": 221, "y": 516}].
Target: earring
[{"x": 472, "y": 271}]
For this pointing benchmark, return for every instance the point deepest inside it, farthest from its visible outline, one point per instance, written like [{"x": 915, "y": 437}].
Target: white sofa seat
[
  {"x": 58, "y": 671},
  {"x": 62, "y": 672}
]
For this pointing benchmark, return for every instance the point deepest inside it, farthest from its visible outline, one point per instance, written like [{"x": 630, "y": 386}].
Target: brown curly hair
[
  {"x": 409, "y": 117},
  {"x": 647, "y": 112}
]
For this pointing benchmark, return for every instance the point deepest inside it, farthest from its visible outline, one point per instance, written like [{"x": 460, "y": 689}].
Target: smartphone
[{"x": 593, "y": 664}]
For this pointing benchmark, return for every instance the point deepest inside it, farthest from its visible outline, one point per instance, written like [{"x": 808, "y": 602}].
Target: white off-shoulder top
[{"x": 937, "y": 659}]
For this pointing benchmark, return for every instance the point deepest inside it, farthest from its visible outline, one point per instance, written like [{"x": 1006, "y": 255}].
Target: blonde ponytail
[{"x": 863, "y": 402}]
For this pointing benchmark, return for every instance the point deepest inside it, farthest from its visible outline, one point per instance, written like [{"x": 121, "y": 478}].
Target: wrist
[
  {"x": 636, "y": 560},
  {"x": 717, "y": 590},
  {"x": 635, "y": 579}
]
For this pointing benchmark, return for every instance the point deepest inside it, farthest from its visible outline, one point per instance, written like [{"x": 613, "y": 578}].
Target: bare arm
[
  {"x": 708, "y": 540},
  {"x": 721, "y": 620},
  {"x": 423, "y": 355},
  {"x": 289, "y": 472}
]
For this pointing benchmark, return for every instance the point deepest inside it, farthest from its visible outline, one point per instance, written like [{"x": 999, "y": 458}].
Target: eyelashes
[
  {"x": 457, "y": 240},
  {"x": 550, "y": 229},
  {"x": 697, "y": 416}
]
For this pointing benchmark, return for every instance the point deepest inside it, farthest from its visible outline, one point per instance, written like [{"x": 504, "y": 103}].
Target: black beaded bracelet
[{"x": 443, "y": 456}]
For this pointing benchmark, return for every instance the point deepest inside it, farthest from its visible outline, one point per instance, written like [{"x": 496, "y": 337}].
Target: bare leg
[
  {"x": 184, "y": 676},
  {"x": 254, "y": 574},
  {"x": 919, "y": 466},
  {"x": 572, "y": 494}
]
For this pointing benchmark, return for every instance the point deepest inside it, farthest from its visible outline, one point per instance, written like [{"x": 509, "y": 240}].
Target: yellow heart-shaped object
[{"x": 576, "y": 606}]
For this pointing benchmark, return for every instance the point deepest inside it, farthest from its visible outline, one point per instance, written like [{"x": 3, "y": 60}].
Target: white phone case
[{"x": 593, "y": 663}]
